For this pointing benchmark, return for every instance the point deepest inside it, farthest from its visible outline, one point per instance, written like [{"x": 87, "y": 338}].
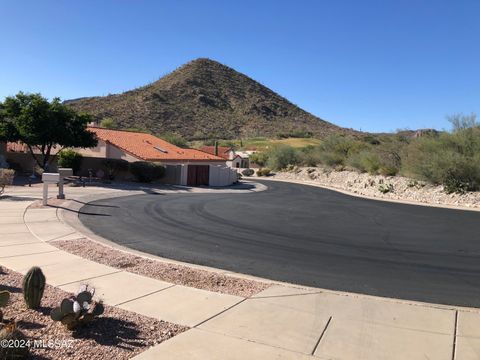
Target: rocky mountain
[{"x": 206, "y": 99}]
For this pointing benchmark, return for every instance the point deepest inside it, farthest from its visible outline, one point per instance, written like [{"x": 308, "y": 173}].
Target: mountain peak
[{"x": 204, "y": 98}]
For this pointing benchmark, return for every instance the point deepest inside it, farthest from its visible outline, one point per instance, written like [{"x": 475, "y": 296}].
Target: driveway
[{"x": 309, "y": 236}]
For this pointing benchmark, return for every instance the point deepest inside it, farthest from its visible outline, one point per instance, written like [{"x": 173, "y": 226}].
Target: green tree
[
  {"x": 68, "y": 158},
  {"x": 108, "y": 123},
  {"x": 41, "y": 124}
]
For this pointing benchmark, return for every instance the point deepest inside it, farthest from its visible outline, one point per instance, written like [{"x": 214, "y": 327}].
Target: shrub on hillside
[
  {"x": 451, "y": 159},
  {"x": 175, "y": 139},
  {"x": 146, "y": 172},
  {"x": 295, "y": 134},
  {"x": 113, "y": 166},
  {"x": 310, "y": 156},
  {"x": 280, "y": 156},
  {"x": 336, "y": 150},
  {"x": 69, "y": 158},
  {"x": 365, "y": 161},
  {"x": 259, "y": 158}
]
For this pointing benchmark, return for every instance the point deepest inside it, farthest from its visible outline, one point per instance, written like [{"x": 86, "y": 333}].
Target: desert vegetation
[{"x": 451, "y": 159}]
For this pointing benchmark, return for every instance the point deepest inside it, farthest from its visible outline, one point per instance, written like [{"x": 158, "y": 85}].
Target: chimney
[{"x": 216, "y": 148}]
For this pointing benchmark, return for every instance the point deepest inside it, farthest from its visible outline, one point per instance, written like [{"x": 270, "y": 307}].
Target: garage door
[{"x": 198, "y": 175}]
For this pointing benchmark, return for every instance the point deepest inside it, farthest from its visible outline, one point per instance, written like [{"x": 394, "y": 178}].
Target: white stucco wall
[
  {"x": 98, "y": 151},
  {"x": 235, "y": 163},
  {"x": 113, "y": 152}
]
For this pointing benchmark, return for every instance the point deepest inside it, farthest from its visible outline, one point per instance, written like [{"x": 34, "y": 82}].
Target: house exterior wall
[
  {"x": 98, "y": 151},
  {"x": 106, "y": 151},
  {"x": 235, "y": 163},
  {"x": 113, "y": 152},
  {"x": 220, "y": 174}
]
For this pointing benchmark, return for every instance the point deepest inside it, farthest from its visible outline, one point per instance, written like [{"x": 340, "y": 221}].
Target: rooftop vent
[{"x": 160, "y": 149}]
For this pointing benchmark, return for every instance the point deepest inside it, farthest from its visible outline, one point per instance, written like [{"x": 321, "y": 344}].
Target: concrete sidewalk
[{"x": 282, "y": 322}]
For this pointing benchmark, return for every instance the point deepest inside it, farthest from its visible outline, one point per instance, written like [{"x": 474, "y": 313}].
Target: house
[
  {"x": 183, "y": 166},
  {"x": 233, "y": 158}
]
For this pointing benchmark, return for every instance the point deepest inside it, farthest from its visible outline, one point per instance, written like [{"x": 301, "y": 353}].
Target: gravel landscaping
[
  {"x": 173, "y": 273},
  {"x": 384, "y": 187},
  {"x": 117, "y": 334}
]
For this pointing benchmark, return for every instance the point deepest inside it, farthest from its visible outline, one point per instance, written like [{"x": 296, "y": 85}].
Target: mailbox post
[
  {"x": 48, "y": 178},
  {"x": 63, "y": 172}
]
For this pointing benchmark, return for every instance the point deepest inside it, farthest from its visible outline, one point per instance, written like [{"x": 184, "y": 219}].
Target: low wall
[{"x": 222, "y": 175}]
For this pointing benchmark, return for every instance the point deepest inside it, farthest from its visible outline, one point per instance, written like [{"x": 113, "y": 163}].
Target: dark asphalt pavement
[{"x": 307, "y": 235}]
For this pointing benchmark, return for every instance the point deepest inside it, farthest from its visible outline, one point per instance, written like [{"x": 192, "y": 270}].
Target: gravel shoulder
[
  {"x": 117, "y": 334},
  {"x": 169, "y": 272}
]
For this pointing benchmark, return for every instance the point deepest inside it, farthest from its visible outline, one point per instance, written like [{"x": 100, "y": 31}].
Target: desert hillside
[{"x": 204, "y": 98}]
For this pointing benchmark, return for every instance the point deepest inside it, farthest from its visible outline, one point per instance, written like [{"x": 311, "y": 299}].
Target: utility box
[
  {"x": 65, "y": 172},
  {"x": 51, "y": 178}
]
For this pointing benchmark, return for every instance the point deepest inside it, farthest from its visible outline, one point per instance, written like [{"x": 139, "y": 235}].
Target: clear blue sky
[{"x": 371, "y": 65}]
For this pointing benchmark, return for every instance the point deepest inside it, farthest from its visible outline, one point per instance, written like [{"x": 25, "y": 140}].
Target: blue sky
[{"x": 371, "y": 65}]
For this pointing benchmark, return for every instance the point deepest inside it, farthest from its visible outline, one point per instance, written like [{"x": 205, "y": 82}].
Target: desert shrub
[
  {"x": 336, "y": 150},
  {"x": 113, "y": 166},
  {"x": 259, "y": 158},
  {"x": 248, "y": 172},
  {"x": 280, "y": 156},
  {"x": 387, "y": 170},
  {"x": 6, "y": 176},
  {"x": 295, "y": 134},
  {"x": 374, "y": 161},
  {"x": 450, "y": 159},
  {"x": 385, "y": 188},
  {"x": 69, "y": 158},
  {"x": 145, "y": 171},
  {"x": 462, "y": 176},
  {"x": 310, "y": 155},
  {"x": 108, "y": 123},
  {"x": 264, "y": 172}
]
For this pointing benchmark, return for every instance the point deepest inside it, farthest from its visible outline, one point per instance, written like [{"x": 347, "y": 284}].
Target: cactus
[
  {"x": 10, "y": 332},
  {"x": 33, "y": 286},
  {"x": 77, "y": 310}
]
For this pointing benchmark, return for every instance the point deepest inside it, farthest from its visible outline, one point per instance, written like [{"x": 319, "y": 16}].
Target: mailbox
[
  {"x": 65, "y": 172},
  {"x": 51, "y": 178}
]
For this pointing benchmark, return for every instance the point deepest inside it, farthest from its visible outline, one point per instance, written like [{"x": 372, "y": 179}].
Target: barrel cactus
[
  {"x": 77, "y": 310},
  {"x": 33, "y": 287}
]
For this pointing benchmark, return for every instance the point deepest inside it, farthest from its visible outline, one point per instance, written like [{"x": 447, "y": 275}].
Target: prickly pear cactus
[
  {"x": 33, "y": 287},
  {"x": 77, "y": 310}
]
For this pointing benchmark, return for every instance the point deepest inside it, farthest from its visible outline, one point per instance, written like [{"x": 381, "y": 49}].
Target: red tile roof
[
  {"x": 223, "y": 151},
  {"x": 17, "y": 147},
  {"x": 150, "y": 148}
]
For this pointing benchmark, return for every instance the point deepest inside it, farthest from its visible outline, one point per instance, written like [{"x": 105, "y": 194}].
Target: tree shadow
[
  {"x": 78, "y": 211},
  {"x": 28, "y": 325},
  {"x": 110, "y": 331},
  {"x": 11, "y": 289},
  {"x": 90, "y": 204},
  {"x": 18, "y": 198}
]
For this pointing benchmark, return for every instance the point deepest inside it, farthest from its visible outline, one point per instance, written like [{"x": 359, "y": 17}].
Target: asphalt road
[{"x": 307, "y": 235}]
